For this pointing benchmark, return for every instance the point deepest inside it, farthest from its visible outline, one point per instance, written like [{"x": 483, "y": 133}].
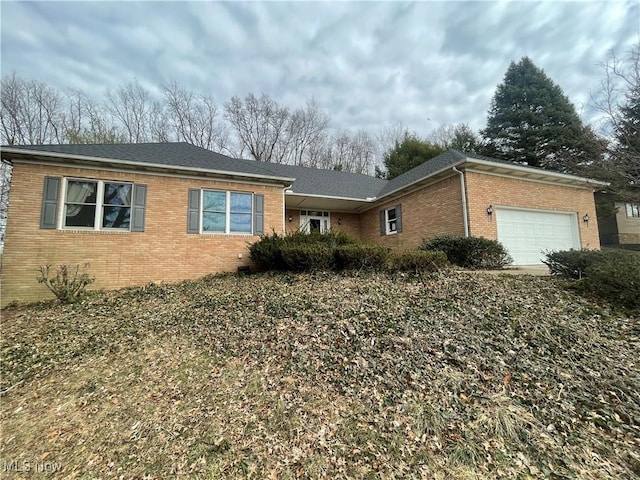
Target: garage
[{"x": 526, "y": 234}]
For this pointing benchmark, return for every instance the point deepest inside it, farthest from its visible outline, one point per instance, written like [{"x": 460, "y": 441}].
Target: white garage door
[{"x": 526, "y": 234}]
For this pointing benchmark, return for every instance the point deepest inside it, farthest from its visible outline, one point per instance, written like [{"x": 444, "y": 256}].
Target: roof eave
[
  {"x": 332, "y": 197},
  {"x": 539, "y": 173},
  {"x": 21, "y": 152},
  {"x": 422, "y": 179}
]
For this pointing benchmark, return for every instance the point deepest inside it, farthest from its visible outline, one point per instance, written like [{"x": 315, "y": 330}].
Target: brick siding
[
  {"x": 484, "y": 190},
  {"x": 427, "y": 212},
  {"x": 164, "y": 252}
]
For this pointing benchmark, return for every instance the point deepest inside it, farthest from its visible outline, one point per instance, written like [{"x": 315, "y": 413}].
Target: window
[
  {"x": 633, "y": 210},
  {"x": 391, "y": 220},
  {"x": 97, "y": 204},
  {"x": 225, "y": 212},
  {"x": 93, "y": 204}
]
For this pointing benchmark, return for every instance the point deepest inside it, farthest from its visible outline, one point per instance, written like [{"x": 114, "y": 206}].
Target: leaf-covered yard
[{"x": 454, "y": 375}]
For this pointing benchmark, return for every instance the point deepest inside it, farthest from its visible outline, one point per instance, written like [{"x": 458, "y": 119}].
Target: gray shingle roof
[
  {"x": 165, "y": 154},
  {"x": 329, "y": 183},
  {"x": 308, "y": 181},
  {"x": 449, "y": 158}
]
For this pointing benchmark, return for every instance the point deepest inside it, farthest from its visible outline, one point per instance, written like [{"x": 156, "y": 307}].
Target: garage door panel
[{"x": 526, "y": 234}]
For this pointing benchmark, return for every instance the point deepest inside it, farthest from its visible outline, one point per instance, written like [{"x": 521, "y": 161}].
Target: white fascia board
[
  {"x": 537, "y": 171},
  {"x": 144, "y": 165},
  {"x": 437, "y": 172},
  {"x": 331, "y": 197},
  {"x": 521, "y": 168}
]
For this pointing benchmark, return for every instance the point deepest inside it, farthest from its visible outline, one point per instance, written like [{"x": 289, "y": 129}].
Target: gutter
[
  {"x": 465, "y": 214},
  {"x": 146, "y": 166},
  {"x": 291, "y": 193},
  {"x": 549, "y": 173}
]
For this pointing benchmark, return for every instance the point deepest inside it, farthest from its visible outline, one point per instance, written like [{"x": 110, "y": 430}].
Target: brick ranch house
[{"x": 139, "y": 213}]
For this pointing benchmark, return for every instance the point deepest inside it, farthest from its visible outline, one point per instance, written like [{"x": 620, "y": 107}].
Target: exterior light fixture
[
  {"x": 290, "y": 219},
  {"x": 585, "y": 219},
  {"x": 490, "y": 210},
  {"x": 339, "y": 221}
]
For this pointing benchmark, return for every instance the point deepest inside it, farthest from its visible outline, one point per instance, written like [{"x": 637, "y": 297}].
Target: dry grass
[{"x": 299, "y": 376}]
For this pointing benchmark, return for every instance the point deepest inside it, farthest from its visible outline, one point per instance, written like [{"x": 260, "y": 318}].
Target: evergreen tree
[
  {"x": 409, "y": 153},
  {"x": 531, "y": 121}
]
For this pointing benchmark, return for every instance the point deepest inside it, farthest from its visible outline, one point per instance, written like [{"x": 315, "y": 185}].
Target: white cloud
[{"x": 367, "y": 64}]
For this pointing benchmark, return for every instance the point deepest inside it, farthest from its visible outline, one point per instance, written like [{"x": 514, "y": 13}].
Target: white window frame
[
  {"x": 227, "y": 213},
  {"x": 324, "y": 217},
  {"x": 98, "y": 216},
  {"x": 391, "y": 224},
  {"x": 632, "y": 210}
]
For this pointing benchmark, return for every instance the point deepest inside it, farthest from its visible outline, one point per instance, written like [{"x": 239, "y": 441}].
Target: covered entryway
[{"x": 527, "y": 234}]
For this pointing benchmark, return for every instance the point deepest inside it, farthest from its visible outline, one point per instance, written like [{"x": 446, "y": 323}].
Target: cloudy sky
[{"x": 368, "y": 64}]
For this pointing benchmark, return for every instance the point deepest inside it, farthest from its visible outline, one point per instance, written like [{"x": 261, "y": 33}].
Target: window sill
[
  {"x": 91, "y": 230},
  {"x": 232, "y": 234}
]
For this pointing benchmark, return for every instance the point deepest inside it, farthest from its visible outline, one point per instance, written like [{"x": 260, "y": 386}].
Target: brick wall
[
  {"x": 163, "y": 252},
  {"x": 484, "y": 190},
  {"x": 348, "y": 223},
  {"x": 430, "y": 211}
]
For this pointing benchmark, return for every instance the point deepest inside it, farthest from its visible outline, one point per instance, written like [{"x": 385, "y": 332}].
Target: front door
[
  {"x": 314, "y": 221},
  {"x": 314, "y": 225}
]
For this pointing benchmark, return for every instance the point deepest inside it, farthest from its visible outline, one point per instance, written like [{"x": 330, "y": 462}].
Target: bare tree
[
  {"x": 619, "y": 102},
  {"x": 84, "y": 121},
  {"x": 350, "y": 152},
  {"x": 460, "y": 137},
  {"x": 442, "y": 136},
  {"x": 30, "y": 112},
  {"x": 192, "y": 118},
  {"x": 5, "y": 185},
  {"x": 159, "y": 128},
  {"x": 387, "y": 138},
  {"x": 261, "y": 126},
  {"x": 131, "y": 105},
  {"x": 306, "y": 129}
]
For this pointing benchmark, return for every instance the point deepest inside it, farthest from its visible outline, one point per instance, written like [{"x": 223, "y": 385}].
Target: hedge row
[
  {"x": 470, "y": 252},
  {"x": 302, "y": 252},
  {"x": 612, "y": 275}
]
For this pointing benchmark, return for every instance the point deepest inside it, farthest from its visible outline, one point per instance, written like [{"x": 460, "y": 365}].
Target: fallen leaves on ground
[{"x": 453, "y": 375}]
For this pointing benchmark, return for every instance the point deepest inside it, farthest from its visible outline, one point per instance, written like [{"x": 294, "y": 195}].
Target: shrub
[
  {"x": 267, "y": 252},
  {"x": 612, "y": 275},
  {"x": 331, "y": 238},
  {"x": 470, "y": 252},
  {"x": 67, "y": 284},
  {"x": 571, "y": 264},
  {"x": 307, "y": 258},
  {"x": 417, "y": 261},
  {"x": 360, "y": 256}
]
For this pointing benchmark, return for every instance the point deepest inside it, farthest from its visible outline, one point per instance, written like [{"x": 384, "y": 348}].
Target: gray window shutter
[
  {"x": 49, "y": 212},
  {"x": 138, "y": 207},
  {"x": 383, "y": 223},
  {"x": 398, "y": 218},
  {"x": 193, "y": 215},
  {"x": 258, "y": 214}
]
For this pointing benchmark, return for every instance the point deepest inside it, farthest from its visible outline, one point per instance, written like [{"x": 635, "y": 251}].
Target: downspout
[
  {"x": 284, "y": 210},
  {"x": 465, "y": 219}
]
